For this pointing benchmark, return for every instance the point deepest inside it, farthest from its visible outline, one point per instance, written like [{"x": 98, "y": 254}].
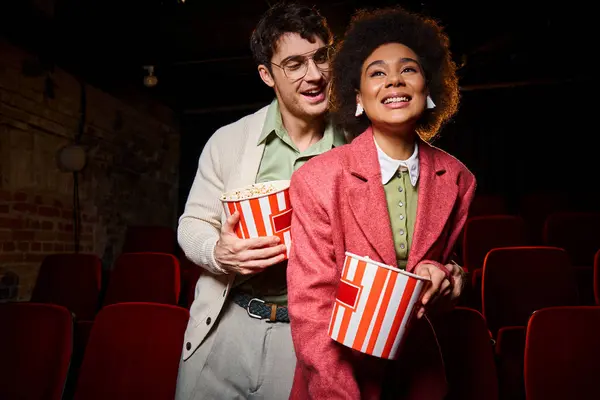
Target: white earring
[
  {"x": 359, "y": 110},
  {"x": 430, "y": 103}
]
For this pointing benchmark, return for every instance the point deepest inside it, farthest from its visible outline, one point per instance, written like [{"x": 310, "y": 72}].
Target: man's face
[{"x": 304, "y": 95}]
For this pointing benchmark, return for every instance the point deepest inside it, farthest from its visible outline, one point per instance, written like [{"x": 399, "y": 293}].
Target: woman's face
[{"x": 392, "y": 91}]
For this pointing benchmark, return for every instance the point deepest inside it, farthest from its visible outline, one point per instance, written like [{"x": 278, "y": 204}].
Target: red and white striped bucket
[
  {"x": 374, "y": 306},
  {"x": 264, "y": 210}
]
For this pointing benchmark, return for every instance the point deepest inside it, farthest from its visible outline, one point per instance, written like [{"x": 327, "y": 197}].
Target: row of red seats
[
  {"x": 459, "y": 360},
  {"x": 133, "y": 352},
  {"x": 577, "y": 233},
  {"x": 517, "y": 282},
  {"x": 526, "y": 305},
  {"x": 74, "y": 281},
  {"x": 559, "y": 357},
  {"x": 134, "y": 348}
]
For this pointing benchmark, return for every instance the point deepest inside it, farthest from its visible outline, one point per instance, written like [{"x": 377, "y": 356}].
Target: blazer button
[
  {"x": 208, "y": 320},
  {"x": 188, "y": 346}
]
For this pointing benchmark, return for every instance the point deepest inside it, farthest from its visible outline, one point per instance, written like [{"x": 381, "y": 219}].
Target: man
[{"x": 229, "y": 353}]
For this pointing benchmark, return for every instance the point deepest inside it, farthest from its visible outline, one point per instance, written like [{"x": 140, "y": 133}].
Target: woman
[{"x": 388, "y": 195}]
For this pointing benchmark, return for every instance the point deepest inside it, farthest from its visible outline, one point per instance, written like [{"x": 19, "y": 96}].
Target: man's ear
[{"x": 265, "y": 75}]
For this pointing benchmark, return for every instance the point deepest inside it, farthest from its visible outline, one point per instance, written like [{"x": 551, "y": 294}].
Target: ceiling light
[{"x": 150, "y": 80}]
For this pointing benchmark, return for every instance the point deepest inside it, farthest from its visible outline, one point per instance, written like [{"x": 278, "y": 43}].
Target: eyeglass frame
[{"x": 307, "y": 58}]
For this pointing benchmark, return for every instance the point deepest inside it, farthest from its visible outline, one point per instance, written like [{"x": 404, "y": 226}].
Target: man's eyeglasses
[{"x": 296, "y": 67}]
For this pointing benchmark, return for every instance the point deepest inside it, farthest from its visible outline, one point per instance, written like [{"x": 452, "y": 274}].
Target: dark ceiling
[{"x": 200, "y": 48}]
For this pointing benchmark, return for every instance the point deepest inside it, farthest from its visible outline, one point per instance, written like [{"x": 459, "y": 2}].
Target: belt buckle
[{"x": 248, "y": 308}]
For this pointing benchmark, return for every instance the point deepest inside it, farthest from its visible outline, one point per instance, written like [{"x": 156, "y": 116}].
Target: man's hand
[
  {"x": 246, "y": 256},
  {"x": 440, "y": 287}
]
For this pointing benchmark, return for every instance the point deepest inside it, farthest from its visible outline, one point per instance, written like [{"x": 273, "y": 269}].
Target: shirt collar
[
  {"x": 273, "y": 123},
  {"x": 332, "y": 137},
  {"x": 389, "y": 166}
]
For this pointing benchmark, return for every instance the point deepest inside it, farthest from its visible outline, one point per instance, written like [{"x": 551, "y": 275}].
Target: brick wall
[{"x": 130, "y": 178}]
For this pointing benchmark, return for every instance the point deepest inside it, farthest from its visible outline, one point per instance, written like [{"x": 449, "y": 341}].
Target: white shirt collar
[{"x": 389, "y": 166}]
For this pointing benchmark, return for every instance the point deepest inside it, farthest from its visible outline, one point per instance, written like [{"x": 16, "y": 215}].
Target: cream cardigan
[{"x": 230, "y": 159}]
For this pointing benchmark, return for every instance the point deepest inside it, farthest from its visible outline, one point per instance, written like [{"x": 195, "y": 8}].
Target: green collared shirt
[
  {"x": 280, "y": 159},
  {"x": 400, "y": 180},
  {"x": 402, "y": 198},
  {"x": 281, "y": 156}
]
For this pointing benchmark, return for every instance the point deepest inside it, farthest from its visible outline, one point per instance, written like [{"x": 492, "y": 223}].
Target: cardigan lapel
[{"x": 253, "y": 151}]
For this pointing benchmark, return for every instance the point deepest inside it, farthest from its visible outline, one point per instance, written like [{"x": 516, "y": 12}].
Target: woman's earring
[
  {"x": 359, "y": 110},
  {"x": 430, "y": 103}
]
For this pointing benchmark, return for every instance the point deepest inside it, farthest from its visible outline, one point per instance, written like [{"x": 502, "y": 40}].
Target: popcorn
[
  {"x": 255, "y": 190},
  {"x": 264, "y": 209}
]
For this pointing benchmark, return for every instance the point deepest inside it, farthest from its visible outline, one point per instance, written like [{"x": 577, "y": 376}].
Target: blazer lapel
[
  {"x": 367, "y": 197},
  {"x": 437, "y": 196}
]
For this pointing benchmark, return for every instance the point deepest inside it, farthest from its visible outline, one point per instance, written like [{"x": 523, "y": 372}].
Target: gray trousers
[{"x": 241, "y": 358}]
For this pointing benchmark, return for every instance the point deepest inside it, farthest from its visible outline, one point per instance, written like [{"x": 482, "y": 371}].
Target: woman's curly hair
[{"x": 369, "y": 30}]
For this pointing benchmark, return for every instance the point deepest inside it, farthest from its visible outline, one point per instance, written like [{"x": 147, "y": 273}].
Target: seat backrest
[
  {"x": 36, "y": 342},
  {"x": 133, "y": 352},
  {"x": 144, "y": 277},
  {"x": 520, "y": 280},
  {"x": 154, "y": 239},
  {"x": 468, "y": 355},
  {"x": 576, "y": 232},
  {"x": 562, "y": 353},
  {"x": 72, "y": 281},
  {"x": 484, "y": 233}
]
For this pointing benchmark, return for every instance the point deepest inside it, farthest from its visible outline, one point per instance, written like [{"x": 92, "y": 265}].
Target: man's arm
[
  {"x": 200, "y": 224},
  {"x": 201, "y": 235}
]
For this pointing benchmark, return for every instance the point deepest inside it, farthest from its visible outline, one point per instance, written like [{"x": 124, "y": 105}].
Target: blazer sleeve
[
  {"x": 466, "y": 191},
  {"x": 312, "y": 284}
]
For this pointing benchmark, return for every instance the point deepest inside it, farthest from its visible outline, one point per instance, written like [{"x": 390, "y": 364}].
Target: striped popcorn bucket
[
  {"x": 374, "y": 306},
  {"x": 264, "y": 210}
]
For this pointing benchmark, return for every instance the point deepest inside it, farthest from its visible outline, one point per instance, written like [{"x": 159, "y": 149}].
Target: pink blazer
[{"x": 339, "y": 205}]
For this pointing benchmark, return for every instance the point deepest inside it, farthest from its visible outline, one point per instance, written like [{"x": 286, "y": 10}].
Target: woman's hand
[{"x": 444, "y": 286}]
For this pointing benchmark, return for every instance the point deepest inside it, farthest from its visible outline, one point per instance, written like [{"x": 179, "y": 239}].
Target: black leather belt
[{"x": 259, "y": 309}]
